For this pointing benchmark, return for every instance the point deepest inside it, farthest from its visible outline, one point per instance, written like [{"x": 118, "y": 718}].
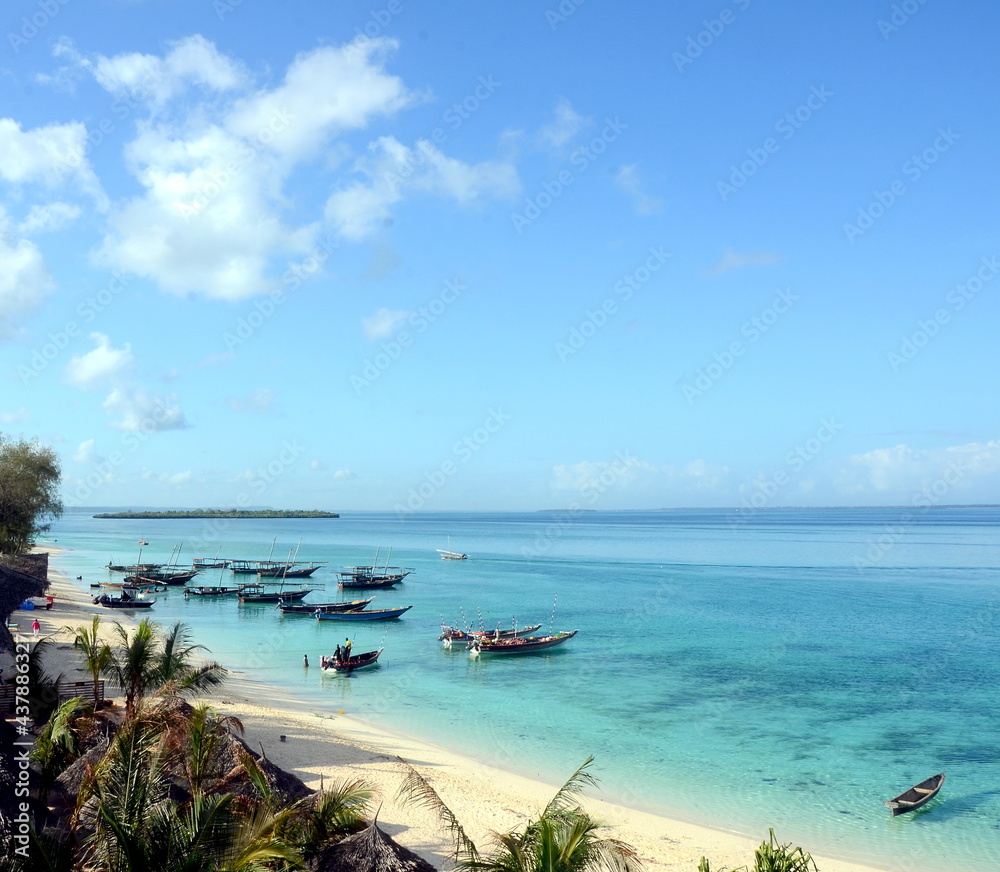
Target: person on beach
[{"x": 35, "y": 626}]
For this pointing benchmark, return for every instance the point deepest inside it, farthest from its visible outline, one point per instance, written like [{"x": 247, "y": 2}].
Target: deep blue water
[{"x": 786, "y": 668}]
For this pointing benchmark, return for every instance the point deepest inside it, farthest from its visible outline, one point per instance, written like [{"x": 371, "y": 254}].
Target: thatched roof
[
  {"x": 371, "y": 850},
  {"x": 237, "y": 781},
  {"x": 15, "y": 588}
]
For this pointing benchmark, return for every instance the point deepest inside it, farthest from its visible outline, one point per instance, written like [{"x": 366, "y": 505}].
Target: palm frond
[
  {"x": 417, "y": 789},
  {"x": 566, "y": 797}
]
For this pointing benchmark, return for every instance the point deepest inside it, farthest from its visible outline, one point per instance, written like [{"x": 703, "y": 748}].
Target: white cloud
[
  {"x": 50, "y": 156},
  {"x": 86, "y": 452},
  {"x": 177, "y": 478},
  {"x": 566, "y": 124},
  {"x": 51, "y": 216},
  {"x": 14, "y": 417},
  {"x": 144, "y": 410},
  {"x": 342, "y": 474},
  {"x": 628, "y": 482},
  {"x": 733, "y": 260},
  {"x": 318, "y": 466},
  {"x": 627, "y": 179},
  {"x": 259, "y": 401},
  {"x": 24, "y": 277},
  {"x": 102, "y": 364},
  {"x": 390, "y": 169},
  {"x": 384, "y": 323}
]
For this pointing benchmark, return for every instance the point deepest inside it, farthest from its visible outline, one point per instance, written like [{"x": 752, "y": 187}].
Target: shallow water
[{"x": 778, "y": 668}]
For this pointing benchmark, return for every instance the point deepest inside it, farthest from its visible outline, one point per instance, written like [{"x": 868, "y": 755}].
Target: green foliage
[
  {"x": 29, "y": 493},
  {"x": 94, "y": 652},
  {"x": 772, "y": 857}
]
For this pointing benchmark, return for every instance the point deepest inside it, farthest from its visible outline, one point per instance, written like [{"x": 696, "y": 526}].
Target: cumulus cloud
[
  {"x": 100, "y": 365},
  {"x": 24, "y": 276},
  {"x": 51, "y": 216},
  {"x": 141, "y": 410},
  {"x": 627, "y": 179},
  {"x": 342, "y": 474},
  {"x": 567, "y": 122},
  {"x": 384, "y": 323},
  {"x": 86, "y": 452}
]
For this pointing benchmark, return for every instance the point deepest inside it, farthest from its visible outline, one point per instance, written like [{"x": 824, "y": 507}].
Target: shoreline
[{"x": 322, "y": 747}]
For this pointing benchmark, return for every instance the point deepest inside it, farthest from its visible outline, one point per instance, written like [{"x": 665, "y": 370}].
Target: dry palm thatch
[
  {"x": 370, "y": 850},
  {"x": 238, "y": 782}
]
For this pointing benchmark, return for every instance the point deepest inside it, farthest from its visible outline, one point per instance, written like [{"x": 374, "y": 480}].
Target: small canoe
[{"x": 917, "y": 795}]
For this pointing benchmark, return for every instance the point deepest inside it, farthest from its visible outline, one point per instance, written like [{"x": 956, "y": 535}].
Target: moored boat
[
  {"x": 520, "y": 644},
  {"x": 125, "y": 601},
  {"x": 454, "y": 634},
  {"x": 355, "y": 661},
  {"x": 288, "y": 571},
  {"x": 211, "y": 590},
  {"x": 374, "y": 615},
  {"x": 916, "y": 796},
  {"x": 258, "y": 593},
  {"x": 312, "y": 608}
]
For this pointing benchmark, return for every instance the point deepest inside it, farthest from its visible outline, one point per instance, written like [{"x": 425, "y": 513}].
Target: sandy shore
[{"x": 485, "y": 799}]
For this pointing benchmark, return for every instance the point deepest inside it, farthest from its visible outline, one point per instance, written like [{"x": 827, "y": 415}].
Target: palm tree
[
  {"x": 562, "y": 839},
  {"x": 96, "y": 654},
  {"x": 58, "y": 744},
  {"x": 150, "y": 661}
]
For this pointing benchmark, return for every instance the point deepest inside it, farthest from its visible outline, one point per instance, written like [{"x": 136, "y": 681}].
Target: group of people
[{"x": 341, "y": 655}]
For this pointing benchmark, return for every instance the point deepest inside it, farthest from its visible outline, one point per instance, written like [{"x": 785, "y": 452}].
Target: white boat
[{"x": 448, "y": 554}]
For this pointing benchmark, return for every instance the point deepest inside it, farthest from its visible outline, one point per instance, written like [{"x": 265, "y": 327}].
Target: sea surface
[{"x": 785, "y": 668}]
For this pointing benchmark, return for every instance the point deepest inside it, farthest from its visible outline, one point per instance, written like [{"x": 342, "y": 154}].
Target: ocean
[{"x": 765, "y": 668}]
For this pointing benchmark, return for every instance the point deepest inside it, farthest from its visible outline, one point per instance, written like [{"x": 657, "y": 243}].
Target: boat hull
[
  {"x": 357, "y": 661},
  {"x": 312, "y": 608},
  {"x": 522, "y": 644},
  {"x": 917, "y": 796},
  {"x": 378, "y": 615},
  {"x": 273, "y": 596}
]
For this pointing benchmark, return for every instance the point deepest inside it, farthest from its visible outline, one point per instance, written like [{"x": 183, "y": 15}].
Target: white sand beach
[{"x": 320, "y": 746}]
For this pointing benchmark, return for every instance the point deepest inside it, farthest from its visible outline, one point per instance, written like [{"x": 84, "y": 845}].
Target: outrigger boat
[
  {"x": 916, "y": 796},
  {"x": 355, "y": 661},
  {"x": 312, "y": 608},
  {"x": 519, "y": 644},
  {"x": 258, "y": 593},
  {"x": 211, "y": 590},
  {"x": 374, "y": 615},
  {"x": 454, "y": 634}
]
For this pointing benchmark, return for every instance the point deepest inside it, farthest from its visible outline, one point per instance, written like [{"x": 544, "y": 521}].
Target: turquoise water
[{"x": 783, "y": 668}]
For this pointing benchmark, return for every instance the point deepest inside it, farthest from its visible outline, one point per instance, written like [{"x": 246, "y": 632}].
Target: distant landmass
[{"x": 218, "y": 513}]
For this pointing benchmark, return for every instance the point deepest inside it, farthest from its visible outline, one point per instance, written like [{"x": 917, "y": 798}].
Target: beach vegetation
[
  {"x": 94, "y": 652},
  {"x": 29, "y": 493},
  {"x": 58, "y": 744},
  {"x": 563, "y": 838},
  {"x": 771, "y": 856}
]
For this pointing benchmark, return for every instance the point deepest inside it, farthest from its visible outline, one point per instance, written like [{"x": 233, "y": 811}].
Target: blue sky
[{"x": 398, "y": 256}]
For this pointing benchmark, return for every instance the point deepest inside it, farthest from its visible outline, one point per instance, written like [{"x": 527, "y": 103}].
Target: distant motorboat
[{"x": 452, "y": 555}]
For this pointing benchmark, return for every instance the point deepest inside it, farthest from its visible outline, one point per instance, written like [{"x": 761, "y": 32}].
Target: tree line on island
[{"x": 218, "y": 513}]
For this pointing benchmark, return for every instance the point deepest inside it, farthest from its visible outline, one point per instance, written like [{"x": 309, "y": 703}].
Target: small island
[{"x": 218, "y": 513}]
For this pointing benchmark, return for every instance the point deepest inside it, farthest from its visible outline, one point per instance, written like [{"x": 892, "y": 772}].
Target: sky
[{"x": 398, "y": 256}]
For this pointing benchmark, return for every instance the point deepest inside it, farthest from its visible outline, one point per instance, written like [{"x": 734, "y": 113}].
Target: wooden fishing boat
[
  {"x": 350, "y": 583},
  {"x": 917, "y": 795},
  {"x": 288, "y": 571},
  {"x": 452, "y": 555},
  {"x": 209, "y": 590},
  {"x": 374, "y": 615},
  {"x": 122, "y": 602},
  {"x": 520, "y": 644},
  {"x": 135, "y": 590},
  {"x": 355, "y": 661},
  {"x": 454, "y": 634},
  {"x": 258, "y": 593},
  {"x": 162, "y": 576},
  {"x": 312, "y": 608},
  {"x": 209, "y": 563},
  {"x": 133, "y": 567}
]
